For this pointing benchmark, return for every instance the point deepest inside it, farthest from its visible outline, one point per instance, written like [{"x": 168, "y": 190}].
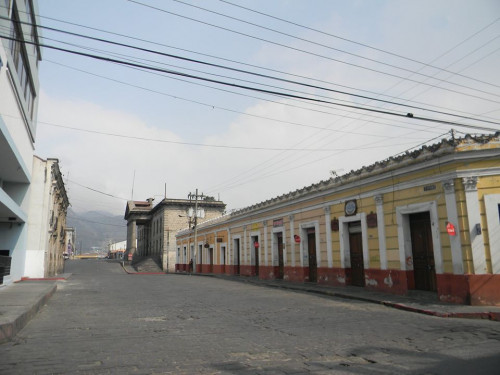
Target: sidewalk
[
  {"x": 417, "y": 301},
  {"x": 21, "y": 301}
]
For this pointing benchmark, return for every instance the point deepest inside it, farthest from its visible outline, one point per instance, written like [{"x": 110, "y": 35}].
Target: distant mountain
[{"x": 96, "y": 228}]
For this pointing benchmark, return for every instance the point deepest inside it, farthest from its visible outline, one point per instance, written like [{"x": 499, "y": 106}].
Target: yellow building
[{"x": 426, "y": 220}]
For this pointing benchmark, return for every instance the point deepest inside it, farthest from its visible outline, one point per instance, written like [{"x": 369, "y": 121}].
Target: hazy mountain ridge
[{"x": 96, "y": 228}]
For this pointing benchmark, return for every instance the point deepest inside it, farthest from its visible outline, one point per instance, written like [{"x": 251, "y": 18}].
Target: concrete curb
[{"x": 10, "y": 329}]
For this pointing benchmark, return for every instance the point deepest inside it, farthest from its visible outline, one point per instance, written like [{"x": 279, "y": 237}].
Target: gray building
[
  {"x": 19, "y": 92},
  {"x": 151, "y": 229}
]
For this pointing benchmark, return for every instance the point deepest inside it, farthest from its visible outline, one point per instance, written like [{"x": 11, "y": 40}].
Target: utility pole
[{"x": 195, "y": 225}]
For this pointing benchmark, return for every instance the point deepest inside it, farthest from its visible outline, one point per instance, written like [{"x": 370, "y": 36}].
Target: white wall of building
[
  {"x": 38, "y": 219},
  {"x": 17, "y": 130}
]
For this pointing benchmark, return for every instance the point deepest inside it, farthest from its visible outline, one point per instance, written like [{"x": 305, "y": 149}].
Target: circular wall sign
[{"x": 350, "y": 208}]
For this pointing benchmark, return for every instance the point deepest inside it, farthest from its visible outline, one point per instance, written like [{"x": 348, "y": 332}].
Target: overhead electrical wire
[
  {"x": 256, "y": 74},
  {"x": 132, "y": 58},
  {"x": 294, "y": 168},
  {"x": 232, "y": 92},
  {"x": 282, "y": 94},
  {"x": 361, "y": 44},
  {"x": 95, "y": 190},
  {"x": 250, "y": 114},
  {"x": 282, "y": 121},
  {"x": 316, "y": 54},
  {"x": 234, "y": 111},
  {"x": 198, "y": 144},
  {"x": 239, "y": 177},
  {"x": 256, "y": 66},
  {"x": 320, "y": 44},
  {"x": 474, "y": 119}
]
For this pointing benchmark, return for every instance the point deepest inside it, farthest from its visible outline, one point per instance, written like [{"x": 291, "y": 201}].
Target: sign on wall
[{"x": 278, "y": 223}]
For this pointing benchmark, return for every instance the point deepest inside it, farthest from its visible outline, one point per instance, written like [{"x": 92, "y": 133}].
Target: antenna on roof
[{"x": 133, "y": 182}]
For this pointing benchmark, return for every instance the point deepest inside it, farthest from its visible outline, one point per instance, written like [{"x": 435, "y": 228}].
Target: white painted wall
[
  {"x": 492, "y": 203},
  {"x": 38, "y": 219}
]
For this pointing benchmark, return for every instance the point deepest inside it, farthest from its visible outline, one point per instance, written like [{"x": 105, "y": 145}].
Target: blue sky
[{"x": 99, "y": 97}]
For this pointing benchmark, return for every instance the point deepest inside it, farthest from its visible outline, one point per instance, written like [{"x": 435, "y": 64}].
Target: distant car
[{"x": 65, "y": 256}]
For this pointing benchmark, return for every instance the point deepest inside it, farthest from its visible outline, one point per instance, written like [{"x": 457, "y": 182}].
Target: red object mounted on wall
[
  {"x": 451, "y": 229},
  {"x": 256, "y": 244},
  {"x": 296, "y": 238}
]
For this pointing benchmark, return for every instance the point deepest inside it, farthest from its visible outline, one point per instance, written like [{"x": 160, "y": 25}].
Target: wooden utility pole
[{"x": 195, "y": 225}]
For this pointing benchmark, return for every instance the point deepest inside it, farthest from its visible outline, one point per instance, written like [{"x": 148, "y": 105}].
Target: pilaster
[{"x": 475, "y": 230}]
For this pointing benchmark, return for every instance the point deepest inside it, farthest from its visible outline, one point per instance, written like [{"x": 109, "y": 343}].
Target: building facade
[
  {"x": 46, "y": 220},
  {"x": 116, "y": 250},
  {"x": 153, "y": 227},
  {"x": 427, "y": 220},
  {"x": 19, "y": 92}
]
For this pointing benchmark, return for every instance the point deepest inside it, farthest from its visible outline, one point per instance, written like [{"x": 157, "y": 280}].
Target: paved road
[{"x": 103, "y": 321}]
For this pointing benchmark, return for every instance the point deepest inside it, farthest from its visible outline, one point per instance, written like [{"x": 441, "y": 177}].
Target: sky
[{"x": 246, "y": 100}]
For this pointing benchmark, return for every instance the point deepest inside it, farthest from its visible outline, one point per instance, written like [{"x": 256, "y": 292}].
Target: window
[{"x": 19, "y": 58}]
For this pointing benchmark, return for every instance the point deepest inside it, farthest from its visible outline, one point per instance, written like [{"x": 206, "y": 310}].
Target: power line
[
  {"x": 327, "y": 46},
  {"x": 245, "y": 113},
  {"x": 96, "y": 191},
  {"x": 276, "y": 78},
  {"x": 244, "y": 87},
  {"x": 362, "y": 44},
  {"x": 255, "y": 66},
  {"x": 271, "y": 77},
  {"x": 201, "y": 144},
  {"x": 288, "y": 161},
  {"x": 267, "y": 76},
  {"x": 272, "y": 174},
  {"x": 318, "y": 55}
]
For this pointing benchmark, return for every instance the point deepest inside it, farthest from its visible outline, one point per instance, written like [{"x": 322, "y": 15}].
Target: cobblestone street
[{"x": 103, "y": 321}]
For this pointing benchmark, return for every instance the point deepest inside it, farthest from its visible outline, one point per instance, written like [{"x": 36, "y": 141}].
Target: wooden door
[
  {"x": 211, "y": 259},
  {"x": 356, "y": 254},
  {"x": 255, "y": 244},
  {"x": 237, "y": 255},
  {"x": 422, "y": 251},
  {"x": 311, "y": 249},
  {"x": 223, "y": 259},
  {"x": 281, "y": 263}
]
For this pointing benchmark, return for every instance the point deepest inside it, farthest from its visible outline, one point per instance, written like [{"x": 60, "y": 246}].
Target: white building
[
  {"x": 46, "y": 220},
  {"x": 19, "y": 92},
  {"x": 117, "y": 249}
]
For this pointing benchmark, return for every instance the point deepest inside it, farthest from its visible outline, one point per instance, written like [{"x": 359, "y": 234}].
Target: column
[
  {"x": 292, "y": 240},
  {"x": 382, "y": 245},
  {"x": 474, "y": 218},
  {"x": 131, "y": 237},
  {"x": 455, "y": 241},
  {"x": 266, "y": 252},
  {"x": 246, "y": 262},
  {"x": 328, "y": 237}
]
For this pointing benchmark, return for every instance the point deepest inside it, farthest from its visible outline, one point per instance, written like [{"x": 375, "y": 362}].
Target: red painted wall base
[
  {"x": 469, "y": 289},
  {"x": 460, "y": 289}
]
